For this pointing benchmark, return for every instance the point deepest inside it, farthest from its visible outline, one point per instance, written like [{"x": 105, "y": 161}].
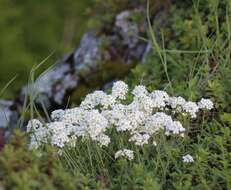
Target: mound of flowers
[{"x": 138, "y": 113}]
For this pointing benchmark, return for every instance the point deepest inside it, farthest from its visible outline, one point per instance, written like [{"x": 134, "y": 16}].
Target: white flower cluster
[
  {"x": 187, "y": 158},
  {"x": 140, "y": 139},
  {"x": 40, "y": 133},
  {"x": 141, "y": 119},
  {"x": 119, "y": 90},
  {"x": 205, "y": 104},
  {"x": 129, "y": 154}
]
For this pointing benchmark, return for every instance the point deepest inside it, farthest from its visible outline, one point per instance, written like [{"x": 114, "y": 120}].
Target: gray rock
[
  {"x": 8, "y": 115},
  {"x": 8, "y": 120},
  {"x": 127, "y": 29},
  {"x": 50, "y": 88},
  {"x": 88, "y": 55}
]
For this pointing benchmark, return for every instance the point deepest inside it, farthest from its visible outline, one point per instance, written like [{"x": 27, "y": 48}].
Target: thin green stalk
[
  {"x": 90, "y": 157},
  {"x": 157, "y": 47}
]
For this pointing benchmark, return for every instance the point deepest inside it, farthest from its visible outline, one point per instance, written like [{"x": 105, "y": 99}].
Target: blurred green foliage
[
  {"x": 31, "y": 30},
  {"x": 22, "y": 169}
]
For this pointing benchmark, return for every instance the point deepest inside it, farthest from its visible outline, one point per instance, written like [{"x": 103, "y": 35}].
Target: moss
[
  {"x": 106, "y": 10},
  {"x": 23, "y": 169}
]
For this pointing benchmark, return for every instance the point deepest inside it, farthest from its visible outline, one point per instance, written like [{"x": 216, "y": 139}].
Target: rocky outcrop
[{"x": 101, "y": 56}]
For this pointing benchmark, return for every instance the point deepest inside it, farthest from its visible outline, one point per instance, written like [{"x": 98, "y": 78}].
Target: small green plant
[{"x": 22, "y": 169}]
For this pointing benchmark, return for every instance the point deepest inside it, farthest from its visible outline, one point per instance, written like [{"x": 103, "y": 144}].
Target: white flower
[
  {"x": 144, "y": 103},
  {"x": 160, "y": 94},
  {"x": 119, "y": 90},
  {"x": 140, "y": 139},
  {"x": 129, "y": 154},
  {"x": 74, "y": 116},
  {"x": 33, "y": 125},
  {"x": 60, "y": 133},
  {"x": 139, "y": 91},
  {"x": 187, "y": 158},
  {"x": 156, "y": 122},
  {"x": 103, "y": 140},
  {"x": 72, "y": 141},
  {"x": 136, "y": 118},
  {"x": 205, "y": 104},
  {"x": 39, "y": 133},
  {"x": 107, "y": 101},
  {"x": 174, "y": 127},
  {"x": 92, "y": 100},
  {"x": 115, "y": 115},
  {"x": 124, "y": 125},
  {"x": 95, "y": 123},
  {"x": 191, "y": 108},
  {"x": 79, "y": 131},
  {"x": 158, "y": 102},
  {"x": 176, "y": 102},
  {"x": 97, "y": 98},
  {"x": 159, "y": 98},
  {"x": 57, "y": 115},
  {"x": 154, "y": 143}
]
